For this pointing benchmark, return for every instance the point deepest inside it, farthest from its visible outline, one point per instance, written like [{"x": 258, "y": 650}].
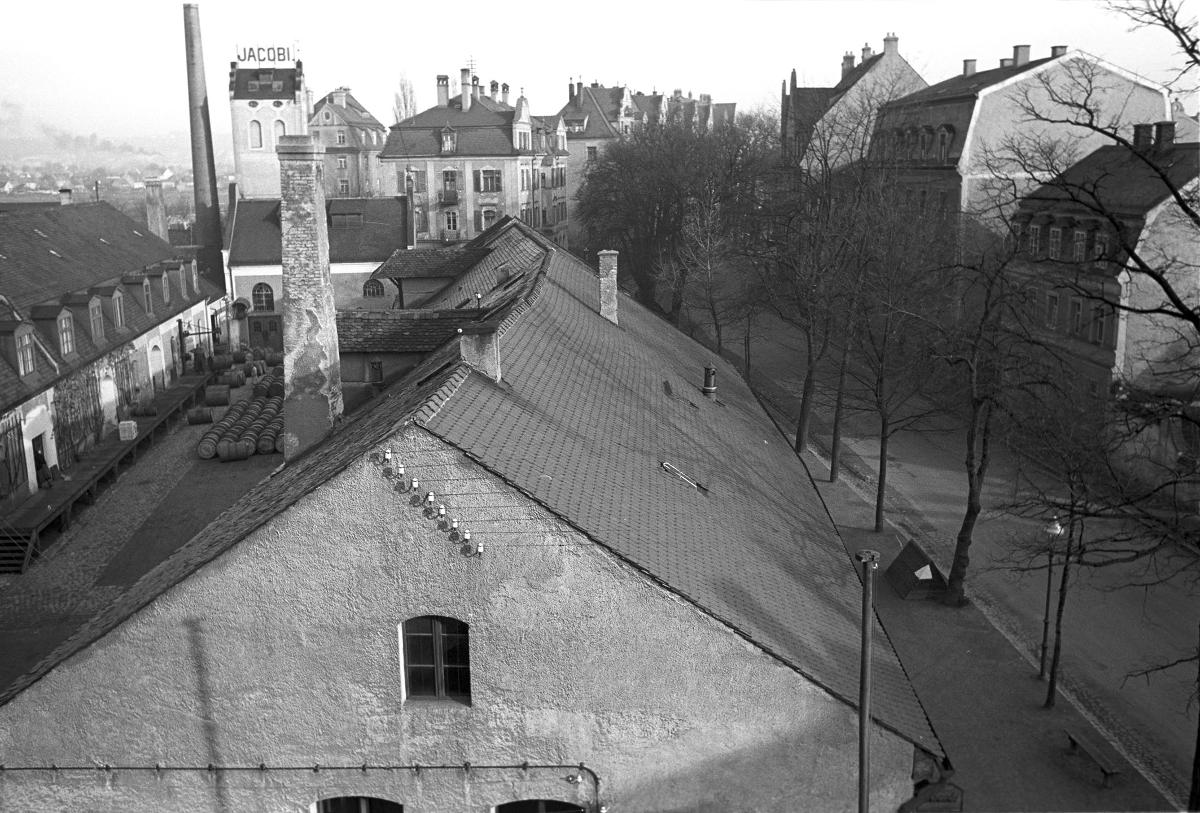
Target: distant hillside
[{"x": 52, "y": 145}]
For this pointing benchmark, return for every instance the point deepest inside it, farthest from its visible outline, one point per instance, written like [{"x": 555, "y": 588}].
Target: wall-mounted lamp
[
  {"x": 387, "y": 456},
  {"x": 479, "y": 548},
  {"x": 429, "y": 499},
  {"x": 441, "y": 511}
]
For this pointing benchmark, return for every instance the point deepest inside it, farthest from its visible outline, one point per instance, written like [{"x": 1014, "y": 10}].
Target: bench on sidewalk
[{"x": 1081, "y": 744}]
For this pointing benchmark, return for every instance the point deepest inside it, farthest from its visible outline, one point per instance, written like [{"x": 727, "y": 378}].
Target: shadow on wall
[{"x": 204, "y": 695}]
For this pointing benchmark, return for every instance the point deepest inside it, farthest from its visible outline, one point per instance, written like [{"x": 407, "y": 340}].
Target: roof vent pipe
[{"x": 710, "y": 381}]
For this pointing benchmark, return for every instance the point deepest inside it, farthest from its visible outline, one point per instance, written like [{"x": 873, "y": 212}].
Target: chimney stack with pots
[
  {"x": 476, "y": 87},
  {"x": 312, "y": 379},
  {"x": 479, "y": 347},
  {"x": 504, "y": 93},
  {"x": 847, "y": 63},
  {"x": 443, "y": 90},
  {"x": 1164, "y": 135},
  {"x": 968, "y": 67},
  {"x": 867, "y": 53},
  {"x": 465, "y": 84},
  {"x": 608, "y": 284},
  {"x": 891, "y": 44},
  {"x": 1143, "y": 137},
  {"x": 156, "y": 209},
  {"x": 494, "y": 87}
]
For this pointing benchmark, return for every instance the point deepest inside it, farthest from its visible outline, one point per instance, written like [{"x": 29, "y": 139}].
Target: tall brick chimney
[
  {"x": 207, "y": 232},
  {"x": 847, "y": 63},
  {"x": 608, "y": 284},
  {"x": 312, "y": 399},
  {"x": 466, "y": 89},
  {"x": 443, "y": 90},
  {"x": 156, "y": 209}
]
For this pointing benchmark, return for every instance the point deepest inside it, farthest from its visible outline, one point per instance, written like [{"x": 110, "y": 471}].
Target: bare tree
[{"x": 404, "y": 100}]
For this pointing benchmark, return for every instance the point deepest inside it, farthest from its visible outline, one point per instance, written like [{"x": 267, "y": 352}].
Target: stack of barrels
[{"x": 251, "y": 426}]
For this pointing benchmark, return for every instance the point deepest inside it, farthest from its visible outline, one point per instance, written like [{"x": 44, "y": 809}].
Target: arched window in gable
[{"x": 263, "y": 297}]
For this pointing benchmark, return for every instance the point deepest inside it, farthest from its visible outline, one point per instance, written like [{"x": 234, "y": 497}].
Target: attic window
[
  {"x": 252, "y": 86},
  {"x": 449, "y": 140}
]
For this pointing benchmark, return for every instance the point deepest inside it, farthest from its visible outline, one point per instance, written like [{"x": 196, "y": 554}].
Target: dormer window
[
  {"x": 166, "y": 278},
  {"x": 66, "y": 333},
  {"x": 25, "y": 356},
  {"x": 147, "y": 298},
  {"x": 449, "y": 140},
  {"x": 96, "y": 318},
  {"x": 118, "y": 306}
]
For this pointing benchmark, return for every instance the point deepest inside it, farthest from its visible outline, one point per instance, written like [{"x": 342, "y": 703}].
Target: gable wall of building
[{"x": 285, "y": 652}]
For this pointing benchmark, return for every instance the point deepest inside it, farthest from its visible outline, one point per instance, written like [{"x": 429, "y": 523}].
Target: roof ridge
[{"x": 434, "y": 403}]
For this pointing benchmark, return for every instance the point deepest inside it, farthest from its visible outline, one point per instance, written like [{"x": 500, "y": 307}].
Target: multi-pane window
[
  {"x": 1035, "y": 240},
  {"x": 166, "y": 278},
  {"x": 341, "y": 136},
  {"x": 25, "y": 356},
  {"x": 1055, "y": 243},
  {"x": 66, "y": 334},
  {"x": 1080, "y": 246},
  {"x": 375, "y": 372},
  {"x": 341, "y": 162},
  {"x": 1076, "y": 325},
  {"x": 489, "y": 180},
  {"x": 373, "y": 288},
  {"x": 344, "y": 187},
  {"x": 96, "y": 317},
  {"x": 452, "y": 220},
  {"x": 118, "y": 304},
  {"x": 147, "y": 297},
  {"x": 449, "y": 180},
  {"x": 591, "y": 153},
  {"x": 419, "y": 181},
  {"x": 1051, "y": 315},
  {"x": 523, "y": 141},
  {"x": 256, "y": 141},
  {"x": 262, "y": 297},
  {"x": 943, "y": 151},
  {"x": 449, "y": 141},
  {"x": 1099, "y": 247},
  {"x": 1099, "y": 318},
  {"x": 422, "y": 221},
  {"x": 436, "y": 658}
]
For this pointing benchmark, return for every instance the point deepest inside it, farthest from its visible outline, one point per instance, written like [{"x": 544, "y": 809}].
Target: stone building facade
[
  {"x": 266, "y": 101},
  {"x": 353, "y": 139}
]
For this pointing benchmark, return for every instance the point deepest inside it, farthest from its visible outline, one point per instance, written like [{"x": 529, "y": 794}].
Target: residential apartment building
[
  {"x": 944, "y": 143},
  {"x": 825, "y": 128},
  {"x": 472, "y": 159},
  {"x": 542, "y": 571},
  {"x": 96, "y": 314},
  {"x": 353, "y": 139}
]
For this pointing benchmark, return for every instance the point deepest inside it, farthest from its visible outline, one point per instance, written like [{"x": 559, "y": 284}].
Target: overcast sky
[{"x": 117, "y": 68}]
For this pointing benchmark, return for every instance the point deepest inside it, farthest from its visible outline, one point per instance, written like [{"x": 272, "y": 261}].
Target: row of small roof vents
[{"x": 1020, "y": 57}]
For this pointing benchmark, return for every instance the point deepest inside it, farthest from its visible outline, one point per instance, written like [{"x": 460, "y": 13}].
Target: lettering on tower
[{"x": 268, "y": 54}]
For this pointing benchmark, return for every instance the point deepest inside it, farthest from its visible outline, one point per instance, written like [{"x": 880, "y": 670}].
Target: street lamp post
[
  {"x": 870, "y": 561},
  {"x": 1053, "y": 529}
]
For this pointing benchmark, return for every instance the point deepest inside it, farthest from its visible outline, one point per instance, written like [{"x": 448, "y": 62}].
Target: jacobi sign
[{"x": 268, "y": 54}]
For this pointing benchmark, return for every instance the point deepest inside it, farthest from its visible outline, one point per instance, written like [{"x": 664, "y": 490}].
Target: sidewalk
[{"x": 982, "y": 695}]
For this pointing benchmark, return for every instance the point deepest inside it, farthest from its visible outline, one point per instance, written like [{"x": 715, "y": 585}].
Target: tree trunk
[
  {"x": 1063, "y": 585},
  {"x": 717, "y": 331},
  {"x": 881, "y": 487},
  {"x": 978, "y": 432},
  {"x": 802, "y": 422},
  {"x": 835, "y": 446}
]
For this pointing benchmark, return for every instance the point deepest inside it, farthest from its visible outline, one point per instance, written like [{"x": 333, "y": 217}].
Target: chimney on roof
[
  {"x": 968, "y": 67},
  {"x": 891, "y": 44},
  {"x": 495, "y": 91},
  {"x": 1020, "y": 54},
  {"x": 338, "y": 97},
  {"x": 476, "y": 87},
  {"x": 479, "y": 347},
  {"x": 1006, "y": 62},
  {"x": 571, "y": 91},
  {"x": 504, "y": 93},
  {"x": 847, "y": 63},
  {"x": 156, "y": 209},
  {"x": 1143, "y": 137},
  {"x": 312, "y": 376},
  {"x": 443, "y": 88},
  {"x": 466, "y": 89},
  {"x": 64, "y": 196},
  {"x": 1164, "y": 135},
  {"x": 1057, "y": 50},
  {"x": 608, "y": 284},
  {"x": 867, "y": 53}
]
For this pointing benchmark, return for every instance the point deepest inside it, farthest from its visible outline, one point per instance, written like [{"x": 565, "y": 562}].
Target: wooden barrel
[
  {"x": 216, "y": 395},
  {"x": 279, "y": 443},
  {"x": 206, "y": 448},
  {"x": 199, "y": 415},
  {"x": 239, "y": 356},
  {"x": 222, "y": 362},
  {"x": 258, "y": 353},
  {"x": 266, "y": 443},
  {"x": 275, "y": 390}
]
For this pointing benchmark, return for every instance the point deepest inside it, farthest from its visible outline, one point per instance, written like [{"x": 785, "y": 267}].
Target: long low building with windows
[{"x": 96, "y": 315}]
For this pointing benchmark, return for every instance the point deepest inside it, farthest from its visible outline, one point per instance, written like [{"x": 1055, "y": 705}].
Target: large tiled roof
[
  {"x": 429, "y": 262},
  {"x": 400, "y": 331},
  {"x": 584, "y": 419},
  {"x": 599, "y": 106},
  {"x": 47, "y": 251},
  {"x": 255, "y": 237},
  {"x": 1115, "y": 179},
  {"x": 958, "y": 87}
]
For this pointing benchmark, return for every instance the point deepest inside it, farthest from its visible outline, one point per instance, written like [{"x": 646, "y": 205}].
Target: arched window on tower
[
  {"x": 264, "y": 297},
  {"x": 256, "y": 135},
  {"x": 373, "y": 288}
]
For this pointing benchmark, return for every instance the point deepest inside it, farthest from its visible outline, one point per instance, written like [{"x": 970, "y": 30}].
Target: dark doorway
[{"x": 358, "y": 804}]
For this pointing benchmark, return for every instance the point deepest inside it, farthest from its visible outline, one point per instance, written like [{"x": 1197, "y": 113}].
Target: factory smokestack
[{"x": 204, "y": 170}]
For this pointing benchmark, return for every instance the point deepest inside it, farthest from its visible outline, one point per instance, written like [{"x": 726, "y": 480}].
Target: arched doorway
[
  {"x": 108, "y": 400},
  {"x": 157, "y": 374},
  {"x": 357, "y": 804}
]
